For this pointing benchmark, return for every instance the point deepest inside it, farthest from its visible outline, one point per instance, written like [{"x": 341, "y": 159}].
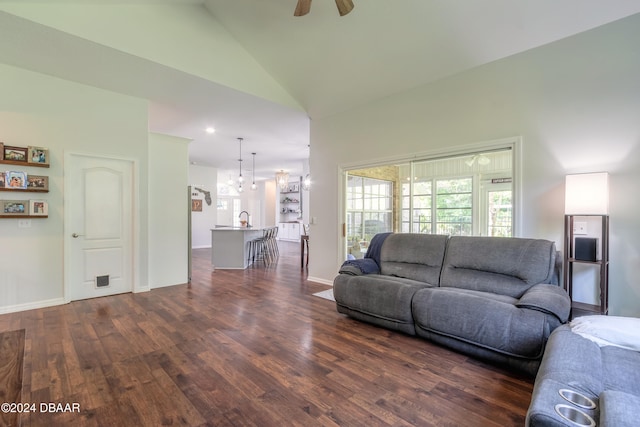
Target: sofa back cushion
[
  {"x": 413, "y": 256},
  {"x": 505, "y": 266}
]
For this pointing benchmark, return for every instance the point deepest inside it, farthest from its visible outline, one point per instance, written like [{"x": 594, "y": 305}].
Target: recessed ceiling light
[{"x": 210, "y": 130}]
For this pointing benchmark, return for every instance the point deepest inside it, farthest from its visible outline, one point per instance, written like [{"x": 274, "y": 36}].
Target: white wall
[
  {"x": 203, "y": 177},
  {"x": 270, "y": 203},
  {"x": 40, "y": 110},
  {"x": 576, "y": 105},
  {"x": 260, "y": 203},
  {"x": 168, "y": 207}
]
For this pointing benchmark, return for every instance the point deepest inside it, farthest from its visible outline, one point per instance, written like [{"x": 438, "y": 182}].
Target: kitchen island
[{"x": 230, "y": 246}]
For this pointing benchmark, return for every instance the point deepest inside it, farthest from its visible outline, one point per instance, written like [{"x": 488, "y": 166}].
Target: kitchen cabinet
[{"x": 289, "y": 231}]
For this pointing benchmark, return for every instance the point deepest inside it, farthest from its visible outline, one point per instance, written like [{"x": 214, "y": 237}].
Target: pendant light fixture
[
  {"x": 253, "y": 173},
  {"x": 240, "y": 178},
  {"x": 306, "y": 182},
  {"x": 282, "y": 180}
]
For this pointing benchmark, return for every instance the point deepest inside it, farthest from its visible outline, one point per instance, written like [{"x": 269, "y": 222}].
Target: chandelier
[{"x": 282, "y": 180}]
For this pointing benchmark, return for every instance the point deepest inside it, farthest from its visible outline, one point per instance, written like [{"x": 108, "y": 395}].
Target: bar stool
[
  {"x": 265, "y": 247},
  {"x": 273, "y": 239},
  {"x": 256, "y": 247}
]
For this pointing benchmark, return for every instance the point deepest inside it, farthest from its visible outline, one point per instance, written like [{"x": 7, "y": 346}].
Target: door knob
[{"x": 76, "y": 235}]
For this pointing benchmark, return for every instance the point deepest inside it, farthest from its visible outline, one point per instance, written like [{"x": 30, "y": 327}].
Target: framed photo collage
[{"x": 21, "y": 181}]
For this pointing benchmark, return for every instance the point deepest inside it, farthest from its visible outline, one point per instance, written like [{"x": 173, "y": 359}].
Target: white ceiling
[
  {"x": 328, "y": 63},
  {"x": 331, "y": 63}
]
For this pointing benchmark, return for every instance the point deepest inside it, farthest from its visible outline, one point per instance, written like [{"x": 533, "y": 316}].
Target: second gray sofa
[{"x": 495, "y": 298}]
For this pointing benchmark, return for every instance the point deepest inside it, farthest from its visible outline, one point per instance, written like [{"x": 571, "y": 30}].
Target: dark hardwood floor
[{"x": 248, "y": 348}]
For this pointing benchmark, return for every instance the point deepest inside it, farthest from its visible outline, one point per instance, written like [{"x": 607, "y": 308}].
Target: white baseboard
[
  {"x": 201, "y": 247},
  {"x": 319, "y": 280},
  {"x": 31, "y": 305}
]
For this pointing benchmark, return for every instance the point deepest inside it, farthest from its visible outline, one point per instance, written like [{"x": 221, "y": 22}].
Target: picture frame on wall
[
  {"x": 38, "y": 182},
  {"x": 15, "y": 154},
  {"x": 1, "y": 150},
  {"x": 38, "y": 208},
  {"x": 38, "y": 155},
  {"x": 16, "y": 180},
  {"x": 3, "y": 182},
  {"x": 14, "y": 207}
]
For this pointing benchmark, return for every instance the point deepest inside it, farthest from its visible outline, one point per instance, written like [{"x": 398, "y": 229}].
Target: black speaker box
[{"x": 585, "y": 248}]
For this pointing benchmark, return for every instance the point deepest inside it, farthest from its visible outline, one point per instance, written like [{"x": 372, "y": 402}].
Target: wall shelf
[
  {"x": 24, "y": 190},
  {"x": 24, "y": 209},
  {"x": 290, "y": 207},
  {"x": 16, "y": 163},
  {"x": 23, "y": 216},
  {"x": 580, "y": 308}
]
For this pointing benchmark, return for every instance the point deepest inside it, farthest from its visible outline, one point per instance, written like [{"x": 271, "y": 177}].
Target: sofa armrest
[
  {"x": 550, "y": 299},
  {"x": 358, "y": 267},
  {"x": 351, "y": 270}
]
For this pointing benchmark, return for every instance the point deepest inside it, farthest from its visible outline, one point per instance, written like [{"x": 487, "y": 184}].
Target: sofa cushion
[
  {"x": 487, "y": 320},
  {"x": 382, "y": 300},
  {"x": 500, "y": 265},
  {"x": 413, "y": 256},
  {"x": 621, "y": 369},
  {"x": 619, "y": 409}
]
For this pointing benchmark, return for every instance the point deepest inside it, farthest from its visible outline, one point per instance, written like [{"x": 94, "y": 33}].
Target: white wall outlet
[
  {"x": 24, "y": 223},
  {"x": 579, "y": 227}
]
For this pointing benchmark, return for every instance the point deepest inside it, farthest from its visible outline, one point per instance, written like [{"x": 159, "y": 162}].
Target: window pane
[
  {"x": 420, "y": 202},
  {"x": 369, "y": 211},
  {"x": 405, "y": 202},
  {"x": 454, "y": 202},
  {"x": 422, "y": 187},
  {"x": 449, "y": 186},
  {"x": 500, "y": 213}
]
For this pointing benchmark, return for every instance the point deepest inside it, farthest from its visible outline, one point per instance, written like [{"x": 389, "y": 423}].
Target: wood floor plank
[
  {"x": 248, "y": 348},
  {"x": 11, "y": 367}
]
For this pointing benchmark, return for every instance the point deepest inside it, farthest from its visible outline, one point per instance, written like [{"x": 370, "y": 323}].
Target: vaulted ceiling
[{"x": 305, "y": 67}]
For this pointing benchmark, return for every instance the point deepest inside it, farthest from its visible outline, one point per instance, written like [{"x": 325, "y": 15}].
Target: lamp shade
[{"x": 587, "y": 194}]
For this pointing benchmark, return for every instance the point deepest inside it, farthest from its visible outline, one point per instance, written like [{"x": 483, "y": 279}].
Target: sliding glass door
[{"x": 470, "y": 194}]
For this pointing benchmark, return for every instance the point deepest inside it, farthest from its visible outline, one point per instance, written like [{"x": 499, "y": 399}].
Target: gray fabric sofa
[
  {"x": 494, "y": 298},
  {"x": 609, "y": 376}
]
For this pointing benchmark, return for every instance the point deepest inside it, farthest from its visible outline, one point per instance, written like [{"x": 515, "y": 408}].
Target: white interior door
[{"x": 99, "y": 219}]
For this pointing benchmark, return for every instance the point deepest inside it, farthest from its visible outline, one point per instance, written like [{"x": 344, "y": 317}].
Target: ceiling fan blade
[
  {"x": 344, "y": 6},
  {"x": 303, "y": 7}
]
